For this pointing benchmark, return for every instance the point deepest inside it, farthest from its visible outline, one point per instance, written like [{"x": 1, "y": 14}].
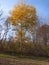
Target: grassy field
[{"x": 24, "y": 60}]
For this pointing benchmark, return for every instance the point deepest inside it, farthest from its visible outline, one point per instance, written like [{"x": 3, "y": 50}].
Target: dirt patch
[{"x": 19, "y": 61}]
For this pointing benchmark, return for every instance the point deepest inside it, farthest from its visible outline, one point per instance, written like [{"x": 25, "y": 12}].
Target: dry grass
[{"x": 4, "y": 60}]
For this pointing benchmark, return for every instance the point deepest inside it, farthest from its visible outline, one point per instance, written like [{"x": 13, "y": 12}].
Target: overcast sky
[{"x": 42, "y": 6}]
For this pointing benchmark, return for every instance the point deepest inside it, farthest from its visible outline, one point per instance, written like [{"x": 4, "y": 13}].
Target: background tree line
[{"x": 29, "y": 38}]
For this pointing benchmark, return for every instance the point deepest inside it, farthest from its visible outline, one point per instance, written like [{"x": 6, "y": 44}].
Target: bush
[{"x": 30, "y": 48}]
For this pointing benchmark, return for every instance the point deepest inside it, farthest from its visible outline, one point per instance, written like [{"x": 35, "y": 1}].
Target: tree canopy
[{"x": 23, "y": 13}]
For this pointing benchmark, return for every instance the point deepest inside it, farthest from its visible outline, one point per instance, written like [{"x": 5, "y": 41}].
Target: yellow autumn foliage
[
  {"x": 24, "y": 16},
  {"x": 23, "y": 13}
]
